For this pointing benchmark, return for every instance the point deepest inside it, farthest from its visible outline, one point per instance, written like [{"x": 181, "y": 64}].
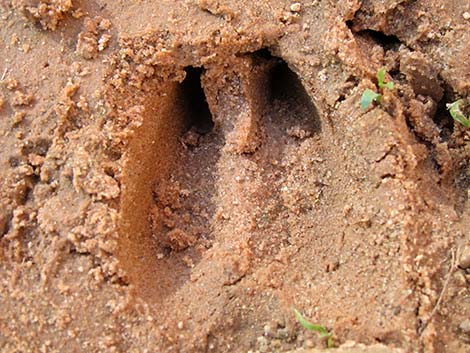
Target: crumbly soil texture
[{"x": 178, "y": 176}]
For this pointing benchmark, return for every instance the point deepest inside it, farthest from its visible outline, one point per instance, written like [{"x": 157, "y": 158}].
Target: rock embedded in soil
[
  {"x": 464, "y": 261},
  {"x": 465, "y": 326}
]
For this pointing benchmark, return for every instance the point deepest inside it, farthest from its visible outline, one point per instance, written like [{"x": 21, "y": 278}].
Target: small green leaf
[
  {"x": 389, "y": 85},
  {"x": 381, "y": 80},
  {"x": 456, "y": 113},
  {"x": 329, "y": 342},
  {"x": 309, "y": 326},
  {"x": 381, "y": 77},
  {"x": 368, "y": 97},
  {"x": 317, "y": 328}
]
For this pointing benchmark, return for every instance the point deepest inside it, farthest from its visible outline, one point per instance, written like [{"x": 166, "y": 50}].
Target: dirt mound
[{"x": 180, "y": 176}]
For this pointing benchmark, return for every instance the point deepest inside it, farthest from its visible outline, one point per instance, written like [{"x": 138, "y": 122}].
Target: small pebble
[
  {"x": 267, "y": 330},
  {"x": 459, "y": 279},
  {"x": 296, "y": 7},
  {"x": 180, "y": 325},
  {"x": 466, "y": 15},
  {"x": 464, "y": 261},
  {"x": 465, "y": 326},
  {"x": 263, "y": 344}
]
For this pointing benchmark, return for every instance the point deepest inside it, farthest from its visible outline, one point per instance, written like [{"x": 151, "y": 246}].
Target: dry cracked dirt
[{"x": 178, "y": 176}]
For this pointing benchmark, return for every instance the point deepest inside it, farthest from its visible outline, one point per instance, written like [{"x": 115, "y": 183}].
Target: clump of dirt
[
  {"x": 95, "y": 37},
  {"x": 47, "y": 13},
  {"x": 185, "y": 187}
]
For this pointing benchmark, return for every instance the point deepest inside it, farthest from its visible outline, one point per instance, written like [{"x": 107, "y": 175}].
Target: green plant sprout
[
  {"x": 370, "y": 96},
  {"x": 317, "y": 328},
  {"x": 381, "y": 80},
  {"x": 457, "y": 114}
]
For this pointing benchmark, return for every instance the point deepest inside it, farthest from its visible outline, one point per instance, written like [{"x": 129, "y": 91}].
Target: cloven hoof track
[{"x": 218, "y": 129}]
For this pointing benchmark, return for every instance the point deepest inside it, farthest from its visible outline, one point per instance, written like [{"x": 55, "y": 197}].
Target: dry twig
[{"x": 453, "y": 267}]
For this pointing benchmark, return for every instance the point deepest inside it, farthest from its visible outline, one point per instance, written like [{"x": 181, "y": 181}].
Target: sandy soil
[{"x": 178, "y": 176}]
